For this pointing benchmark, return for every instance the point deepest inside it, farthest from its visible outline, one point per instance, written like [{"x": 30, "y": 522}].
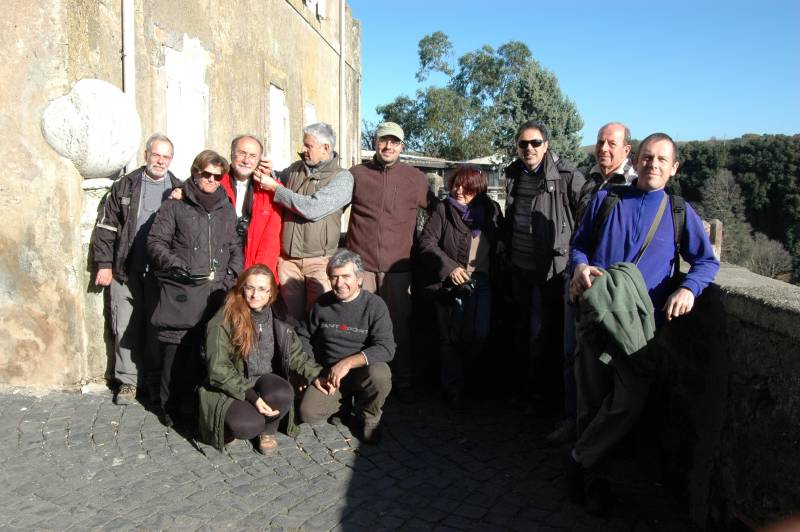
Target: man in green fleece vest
[{"x": 314, "y": 192}]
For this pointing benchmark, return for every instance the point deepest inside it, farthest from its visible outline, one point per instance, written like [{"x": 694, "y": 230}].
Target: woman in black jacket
[
  {"x": 194, "y": 247},
  {"x": 458, "y": 247}
]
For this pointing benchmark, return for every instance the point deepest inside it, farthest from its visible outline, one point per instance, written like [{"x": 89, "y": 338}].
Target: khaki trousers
[
  {"x": 302, "y": 282},
  {"x": 368, "y": 386}
]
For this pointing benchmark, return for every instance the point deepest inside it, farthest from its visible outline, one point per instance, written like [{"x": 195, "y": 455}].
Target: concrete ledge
[{"x": 759, "y": 300}]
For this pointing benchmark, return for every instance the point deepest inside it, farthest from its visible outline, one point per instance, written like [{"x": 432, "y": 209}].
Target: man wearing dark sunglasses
[{"x": 542, "y": 195}]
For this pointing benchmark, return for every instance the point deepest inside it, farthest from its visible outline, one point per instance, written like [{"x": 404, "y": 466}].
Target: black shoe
[
  {"x": 565, "y": 432},
  {"x": 166, "y": 418},
  {"x": 573, "y": 477},
  {"x": 371, "y": 433},
  {"x": 599, "y": 499}
]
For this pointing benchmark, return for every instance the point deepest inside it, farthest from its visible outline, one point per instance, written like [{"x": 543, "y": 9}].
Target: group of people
[{"x": 233, "y": 290}]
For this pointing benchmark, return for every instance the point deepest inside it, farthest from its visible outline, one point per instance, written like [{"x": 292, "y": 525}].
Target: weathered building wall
[
  {"x": 727, "y": 401},
  {"x": 223, "y": 56}
]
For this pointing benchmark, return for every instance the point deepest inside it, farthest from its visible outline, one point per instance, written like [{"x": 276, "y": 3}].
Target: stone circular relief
[{"x": 95, "y": 126}]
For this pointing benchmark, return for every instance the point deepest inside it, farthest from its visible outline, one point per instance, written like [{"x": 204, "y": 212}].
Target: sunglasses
[
  {"x": 523, "y": 144},
  {"x": 209, "y": 175}
]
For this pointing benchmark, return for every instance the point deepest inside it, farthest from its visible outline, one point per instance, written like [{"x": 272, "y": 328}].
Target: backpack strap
[
  {"x": 609, "y": 202},
  {"x": 678, "y": 224}
]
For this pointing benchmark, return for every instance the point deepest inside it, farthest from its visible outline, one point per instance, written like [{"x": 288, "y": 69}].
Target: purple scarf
[{"x": 472, "y": 214}]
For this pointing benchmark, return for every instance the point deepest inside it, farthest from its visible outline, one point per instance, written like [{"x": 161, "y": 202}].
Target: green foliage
[
  {"x": 435, "y": 51},
  {"x": 766, "y": 171},
  {"x": 487, "y": 96}
]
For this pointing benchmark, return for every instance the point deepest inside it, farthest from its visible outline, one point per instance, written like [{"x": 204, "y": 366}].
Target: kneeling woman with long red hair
[{"x": 251, "y": 353}]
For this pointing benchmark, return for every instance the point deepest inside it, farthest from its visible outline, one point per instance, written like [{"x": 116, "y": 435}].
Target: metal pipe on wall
[
  {"x": 129, "y": 59},
  {"x": 343, "y": 136}
]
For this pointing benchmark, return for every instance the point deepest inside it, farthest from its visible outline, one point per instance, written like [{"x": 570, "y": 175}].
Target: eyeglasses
[
  {"x": 391, "y": 141},
  {"x": 260, "y": 290},
  {"x": 523, "y": 144},
  {"x": 243, "y": 155},
  {"x": 209, "y": 175}
]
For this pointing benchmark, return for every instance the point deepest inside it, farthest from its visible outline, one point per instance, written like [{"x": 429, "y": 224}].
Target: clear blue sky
[{"x": 691, "y": 68}]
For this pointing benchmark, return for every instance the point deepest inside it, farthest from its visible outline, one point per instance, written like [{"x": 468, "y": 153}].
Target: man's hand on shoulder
[
  {"x": 263, "y": 175},
  {"x": 266, "y": 182},
  {"x": 680, "y": 302},
  {"x": 582, "y": 279},
  {"x": 176, "y": 194},
  {"x": 103, "y": 277}
]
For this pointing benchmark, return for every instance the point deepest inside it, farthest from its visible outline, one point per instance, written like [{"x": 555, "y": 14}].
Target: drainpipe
[
  {"x": 343, "y": 136},
  {"x": 128, "y": 60}
]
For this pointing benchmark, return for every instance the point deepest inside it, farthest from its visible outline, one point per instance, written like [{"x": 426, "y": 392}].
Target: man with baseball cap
[{"x": 386, "y": 196}]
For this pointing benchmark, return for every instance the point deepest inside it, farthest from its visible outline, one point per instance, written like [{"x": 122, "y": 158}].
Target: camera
[
  {"x": 242, "y": 224},
  {"x": 459, "y": 290}
]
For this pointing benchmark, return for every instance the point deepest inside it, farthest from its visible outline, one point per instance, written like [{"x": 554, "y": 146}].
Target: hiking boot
[
  {"x": 267, "y": 443},
  {"x": 371, "y": 433},
  {"x": 126, "y": 395},
  {"x": 565, "y": 432}
]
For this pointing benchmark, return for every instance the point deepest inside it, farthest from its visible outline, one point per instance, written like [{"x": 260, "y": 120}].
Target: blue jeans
[{"x": 463, "y": 325}]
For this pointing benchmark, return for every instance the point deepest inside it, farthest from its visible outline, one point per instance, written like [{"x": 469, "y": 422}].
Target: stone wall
[
  {"x": 52, "y": 328},
  {"x": 728, "y": 401}
]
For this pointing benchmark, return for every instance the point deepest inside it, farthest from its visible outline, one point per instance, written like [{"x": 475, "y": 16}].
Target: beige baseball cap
[{"x": 389, "y": 129}]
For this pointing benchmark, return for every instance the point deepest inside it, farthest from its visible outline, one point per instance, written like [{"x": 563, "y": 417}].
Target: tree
[
  {"x": 488, "y": 94},
  {"x": 722, "y": 199},
  {"x": 368, "y": 134},
  {"x": 768, "y": 257}
]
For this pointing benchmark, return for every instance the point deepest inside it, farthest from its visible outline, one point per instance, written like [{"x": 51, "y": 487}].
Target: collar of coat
[{"x": 548, "y": 168}]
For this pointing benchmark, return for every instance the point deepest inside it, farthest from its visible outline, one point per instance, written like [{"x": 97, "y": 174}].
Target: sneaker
[
  {"x": 371, "y": 433},
  {"x": 573, "y": 477},
  {"x": 565, "y": 432},
  {"x": 126, "y": 395},
  {"x": 267, "y": 443}
]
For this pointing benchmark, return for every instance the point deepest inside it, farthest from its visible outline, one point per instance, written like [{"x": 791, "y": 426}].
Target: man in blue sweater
[{"x": 611, "y": 396}]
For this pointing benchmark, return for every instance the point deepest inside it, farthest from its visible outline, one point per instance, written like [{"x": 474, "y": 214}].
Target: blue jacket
[{"x": 623, "y": 235}]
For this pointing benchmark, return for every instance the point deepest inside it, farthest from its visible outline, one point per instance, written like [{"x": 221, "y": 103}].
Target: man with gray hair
[
  {"x": 314, "y": 192},
  {"x": 350, "y": 333},
  {"x": 120, "y": 256}
]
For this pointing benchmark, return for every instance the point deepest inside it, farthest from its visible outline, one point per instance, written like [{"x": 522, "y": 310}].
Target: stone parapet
[{"x": 727, "y": 401}]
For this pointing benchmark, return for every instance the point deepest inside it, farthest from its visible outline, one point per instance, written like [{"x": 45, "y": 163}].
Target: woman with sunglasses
[
  {"x": 458, "y": 247},
  {"x": 197, "y": 255},
  {"x": 250, "y": 352}
]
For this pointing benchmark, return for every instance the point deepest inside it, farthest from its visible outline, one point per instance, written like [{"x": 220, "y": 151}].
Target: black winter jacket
[
  {"x": 116, "y": 229},
  {"x": 205, "y": 244},
  {"x": 445, "y": 241},
  {"x": 553, "y": 209}
]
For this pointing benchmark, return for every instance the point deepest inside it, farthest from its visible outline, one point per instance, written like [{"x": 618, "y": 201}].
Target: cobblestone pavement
[{"x": 79, "y": 462}]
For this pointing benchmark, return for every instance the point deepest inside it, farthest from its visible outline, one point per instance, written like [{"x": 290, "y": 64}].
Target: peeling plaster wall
[
  {"x": 42, "y": 281},
  {"x": 52, "y": 325}
]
